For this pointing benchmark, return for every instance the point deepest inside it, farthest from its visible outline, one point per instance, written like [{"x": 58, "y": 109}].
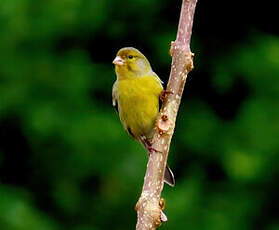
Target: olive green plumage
[{"x": 136, "y": 95}]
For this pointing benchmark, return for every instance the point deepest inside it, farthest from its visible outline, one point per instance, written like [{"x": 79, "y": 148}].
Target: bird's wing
[
  {"x": 157, "y": 78},
  {"x": 115, "y": 105},
  {"x": 161, "y": 85},
  {"x": 114, "y": 96}
]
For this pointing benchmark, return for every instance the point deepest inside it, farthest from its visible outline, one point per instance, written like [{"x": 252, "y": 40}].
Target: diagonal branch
[{"x": 150, "y": 205}]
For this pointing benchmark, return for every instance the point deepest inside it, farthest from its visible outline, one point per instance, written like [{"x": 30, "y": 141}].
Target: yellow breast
[{"x": 138, "y": 101}]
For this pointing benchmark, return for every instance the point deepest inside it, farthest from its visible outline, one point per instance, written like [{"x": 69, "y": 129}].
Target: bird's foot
[
  {"x": 164, "y": 94},
  {"x": 151, "y": 149},
  {"x": 147, "y": 142}
]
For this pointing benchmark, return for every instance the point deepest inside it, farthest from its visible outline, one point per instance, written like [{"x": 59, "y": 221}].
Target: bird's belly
[{"x": 138, "y": 112}]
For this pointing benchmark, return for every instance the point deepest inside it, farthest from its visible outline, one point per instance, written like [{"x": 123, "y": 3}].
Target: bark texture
[{"x": 150, "y": 205}]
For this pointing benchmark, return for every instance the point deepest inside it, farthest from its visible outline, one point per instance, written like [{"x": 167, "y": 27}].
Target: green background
[{"x": 65, "y": 160}]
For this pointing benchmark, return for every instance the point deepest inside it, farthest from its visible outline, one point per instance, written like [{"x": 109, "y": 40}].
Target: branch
[{"x": 150, "y": 205}]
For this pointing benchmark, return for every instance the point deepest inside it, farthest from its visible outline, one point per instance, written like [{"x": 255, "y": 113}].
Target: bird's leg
[
  {"x": 148, "y": 145},
  {"x": 164, "y": 93}
]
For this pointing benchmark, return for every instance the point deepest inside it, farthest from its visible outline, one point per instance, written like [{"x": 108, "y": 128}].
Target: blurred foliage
[{"x": 65, "y": 161}]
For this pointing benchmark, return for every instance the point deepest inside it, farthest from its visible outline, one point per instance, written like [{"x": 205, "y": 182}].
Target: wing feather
[{"x": 114, "y": 96}]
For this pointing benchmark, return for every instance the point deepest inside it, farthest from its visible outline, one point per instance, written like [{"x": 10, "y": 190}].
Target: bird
[{"x": 135, "y": 95}]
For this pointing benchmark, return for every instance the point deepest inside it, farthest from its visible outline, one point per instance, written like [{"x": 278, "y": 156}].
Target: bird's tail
[{"x": 169, "y": 177}]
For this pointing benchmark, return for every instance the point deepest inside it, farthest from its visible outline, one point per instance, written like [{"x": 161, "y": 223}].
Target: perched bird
[{"x": 135, "y": 95}]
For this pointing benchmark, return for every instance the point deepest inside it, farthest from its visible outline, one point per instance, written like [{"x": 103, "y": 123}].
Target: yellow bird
[{"x": 135, "y": 95}]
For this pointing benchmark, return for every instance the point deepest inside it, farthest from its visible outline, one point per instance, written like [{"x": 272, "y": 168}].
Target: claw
[
  {"x": 148, "y": 145},
  {"x": 164, "y": 93},
  {"x": 149, "y": 142},
  {"x": 151, "y": 149}
]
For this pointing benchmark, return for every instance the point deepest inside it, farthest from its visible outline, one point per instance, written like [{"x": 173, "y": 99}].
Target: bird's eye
[{"x": 130, "y": 56}]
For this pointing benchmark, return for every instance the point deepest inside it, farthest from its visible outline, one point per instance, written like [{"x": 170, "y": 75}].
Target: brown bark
[{"x": 150, "y": 205}]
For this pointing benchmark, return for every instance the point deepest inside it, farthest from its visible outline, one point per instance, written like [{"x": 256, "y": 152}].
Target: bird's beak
[{"x": 118, "y": 61}]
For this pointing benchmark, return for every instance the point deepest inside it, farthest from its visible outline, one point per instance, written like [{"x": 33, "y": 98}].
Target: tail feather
[{"x": 169, "y": 177}]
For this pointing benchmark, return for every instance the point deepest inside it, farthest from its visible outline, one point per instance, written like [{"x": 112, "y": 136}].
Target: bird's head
[{"x": 129, "y": 63}]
